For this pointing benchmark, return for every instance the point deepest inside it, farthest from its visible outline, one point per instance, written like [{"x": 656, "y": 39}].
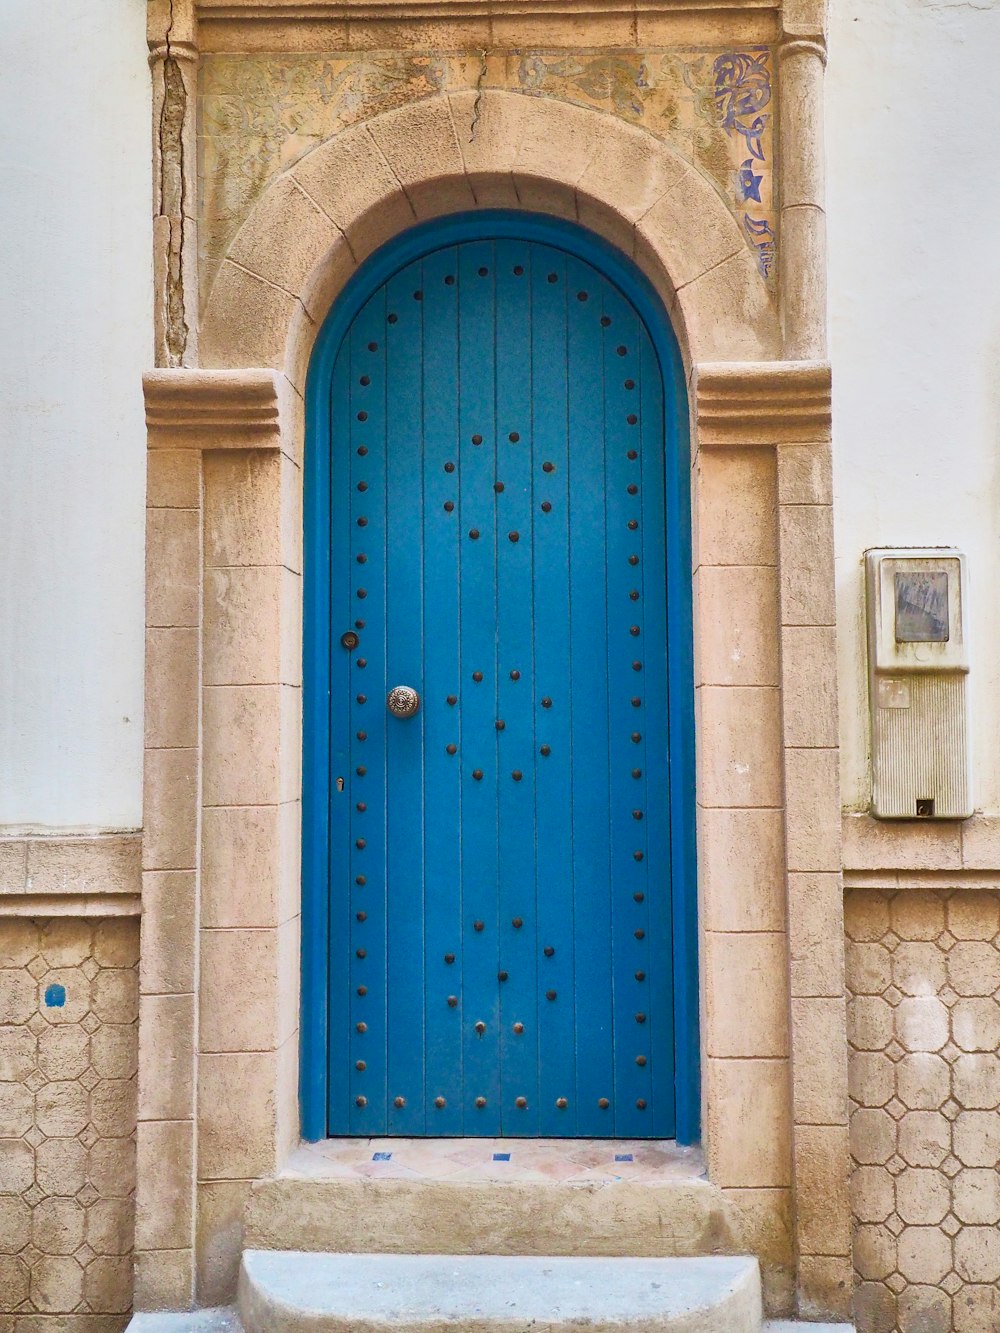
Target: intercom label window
[{"x": 921, "y": 606}]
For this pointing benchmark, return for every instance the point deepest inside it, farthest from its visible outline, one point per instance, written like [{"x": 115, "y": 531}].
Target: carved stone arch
[{"x": 324, "y": 216}]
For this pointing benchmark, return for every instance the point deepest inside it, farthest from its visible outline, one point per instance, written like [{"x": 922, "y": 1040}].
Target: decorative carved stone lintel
[
  {"x": 762, "y": 403},
  {"x": 214, "y": 409}
]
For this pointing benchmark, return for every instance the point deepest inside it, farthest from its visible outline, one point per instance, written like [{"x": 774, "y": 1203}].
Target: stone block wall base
[
  {"x": 68, "y": 1039},
  {"x": 923, "y": 972}
]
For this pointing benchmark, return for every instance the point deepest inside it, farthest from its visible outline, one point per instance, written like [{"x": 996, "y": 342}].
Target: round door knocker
[{"x": 402, "y": 701}]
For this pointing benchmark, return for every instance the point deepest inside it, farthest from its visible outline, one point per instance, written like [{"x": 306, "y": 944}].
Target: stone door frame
[{"x": 220, "y": 948}]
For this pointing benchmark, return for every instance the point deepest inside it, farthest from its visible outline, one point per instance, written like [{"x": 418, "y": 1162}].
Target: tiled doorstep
[{"x": 569, "y": 1160}]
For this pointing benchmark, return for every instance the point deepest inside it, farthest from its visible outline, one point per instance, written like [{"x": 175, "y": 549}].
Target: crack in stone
[
  {"x": 172, "y": 199},
  {"x": 480, "y": 79}
]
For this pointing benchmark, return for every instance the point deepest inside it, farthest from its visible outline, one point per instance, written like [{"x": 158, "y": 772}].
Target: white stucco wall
[
  {"x": 914, "y": 218},
  {"x": 74, "y": 340},
  {"x": 914, "y": 208}
]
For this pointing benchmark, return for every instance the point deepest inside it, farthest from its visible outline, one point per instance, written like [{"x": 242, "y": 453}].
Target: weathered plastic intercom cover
[{"x": 918, "y": 667}]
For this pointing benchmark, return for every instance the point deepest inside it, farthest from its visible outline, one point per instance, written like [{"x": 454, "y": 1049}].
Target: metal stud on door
[{"x": 500, "y": 904}]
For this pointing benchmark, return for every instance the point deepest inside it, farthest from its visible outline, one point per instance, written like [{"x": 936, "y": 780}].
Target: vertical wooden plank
[
  {"x": 656, "y": 586},
  {"x": 478, "y": 697},
  {"x": 441, "y": 688},
  {"x": 331, "y": 584},
  {"x": 404, "y": 746},
  {"x": 517, "y": 974},
  {"x": 366, "y": 782},
  {"x": 630, "y": 738},
  {"x": 589, "y": 706},
  {"x": 553, "y": 759}
]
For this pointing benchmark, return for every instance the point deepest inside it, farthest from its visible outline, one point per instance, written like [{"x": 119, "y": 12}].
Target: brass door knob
[{"x": 402, "y": 701}]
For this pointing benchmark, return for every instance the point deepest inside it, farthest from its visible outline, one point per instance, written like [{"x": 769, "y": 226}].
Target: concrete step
[
  {"x": 795, "y": 1326},
  {"x": 299, "y": 1292},
  {"x": 221, "y": 1319},
  {"x": 226, "y": 1320}
]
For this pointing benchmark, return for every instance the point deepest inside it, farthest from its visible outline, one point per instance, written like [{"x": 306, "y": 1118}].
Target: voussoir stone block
[
  {"x": 556, "y": 146},
  {"x": 627, "y": 175},
  {"x": 488, "y": 128},
  {"x": 727, "y": 312},
  {"x": 351, "y": 181},
  {"x": 246, "y": 321},
  {"x": 284, "y": 244},
  {"x": 667, "y": 227},
  {"x": 420, "y": 144}
]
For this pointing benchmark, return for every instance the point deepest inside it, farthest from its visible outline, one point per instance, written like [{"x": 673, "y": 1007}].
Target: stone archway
[{"x": 325, "y": 215}]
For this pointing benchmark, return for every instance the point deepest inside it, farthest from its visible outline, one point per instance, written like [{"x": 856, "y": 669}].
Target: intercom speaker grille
[{"x": 921, "y": 749}]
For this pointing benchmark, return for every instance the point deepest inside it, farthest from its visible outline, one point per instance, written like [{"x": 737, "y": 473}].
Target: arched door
[{"x": 498, "y": 863}]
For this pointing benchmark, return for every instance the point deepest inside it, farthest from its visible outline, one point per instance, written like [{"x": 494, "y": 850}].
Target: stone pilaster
[
  {"x": 217, "y": 1101},
  {"x": 802, "y": 60},
  {"x": 778, "y": 414}
]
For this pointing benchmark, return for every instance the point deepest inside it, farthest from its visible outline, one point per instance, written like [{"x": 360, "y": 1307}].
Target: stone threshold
[
  {"x": 605, "y": 1197},
  {"x": 520, "y": 1160}
]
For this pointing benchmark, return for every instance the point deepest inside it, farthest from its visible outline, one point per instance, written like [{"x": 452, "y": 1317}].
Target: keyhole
[{"x": 340, "y": 784}]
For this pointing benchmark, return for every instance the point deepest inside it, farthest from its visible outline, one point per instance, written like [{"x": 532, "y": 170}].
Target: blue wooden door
[{"x": 500, "y": 929}]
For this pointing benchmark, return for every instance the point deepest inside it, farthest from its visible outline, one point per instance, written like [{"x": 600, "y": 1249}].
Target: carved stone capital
[
  {"x": 803, "y": 46},
  {"x": 214, "y": 409},
  {"x": 176, "y": 50},
  {"x": 762, "y": 403}
]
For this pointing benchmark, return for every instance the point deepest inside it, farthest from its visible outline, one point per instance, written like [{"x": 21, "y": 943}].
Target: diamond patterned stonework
[
  {"x": 923, "y": 974},
  {"x": 68, "y": 1041}
]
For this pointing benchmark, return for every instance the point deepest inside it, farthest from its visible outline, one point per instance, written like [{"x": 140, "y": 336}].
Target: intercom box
[{"x": 918, "y": 667}]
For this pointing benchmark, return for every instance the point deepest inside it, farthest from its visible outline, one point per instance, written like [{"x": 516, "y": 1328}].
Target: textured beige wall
[
  {"x": 923, "y": 969},
  {"x": 67, "y": 1123}
]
